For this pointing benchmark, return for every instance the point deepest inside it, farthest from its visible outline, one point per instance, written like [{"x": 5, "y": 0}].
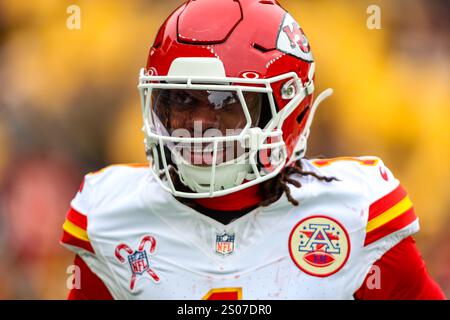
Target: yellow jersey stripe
[
  {"x": 401, "y": 207},
  {"x": 75, "y": 231}
]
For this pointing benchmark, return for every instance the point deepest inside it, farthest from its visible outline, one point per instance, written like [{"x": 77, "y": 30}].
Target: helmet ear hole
[
  {"x": 302, "y": 115},
  {"x": 266, "y": 113}
]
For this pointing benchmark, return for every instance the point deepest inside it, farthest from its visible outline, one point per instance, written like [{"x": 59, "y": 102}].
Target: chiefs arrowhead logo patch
[
  {"x": 319, "y": 246},
  {"x": 292, "y": 40}
]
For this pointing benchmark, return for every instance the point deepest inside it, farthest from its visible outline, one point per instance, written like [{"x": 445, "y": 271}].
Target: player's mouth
[{"x": 205, "y": 157}]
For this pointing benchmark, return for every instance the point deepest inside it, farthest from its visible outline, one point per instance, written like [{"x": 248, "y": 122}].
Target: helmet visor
[{"x": 186, "y": 113}]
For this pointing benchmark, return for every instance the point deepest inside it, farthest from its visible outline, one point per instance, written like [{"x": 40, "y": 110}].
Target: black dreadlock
[{"x": 273, "y": 189}]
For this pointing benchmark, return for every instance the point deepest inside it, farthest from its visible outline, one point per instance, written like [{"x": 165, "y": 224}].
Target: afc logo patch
[
  {"x": 319, "y": 246},
  {"x": 138, "y": 259}
]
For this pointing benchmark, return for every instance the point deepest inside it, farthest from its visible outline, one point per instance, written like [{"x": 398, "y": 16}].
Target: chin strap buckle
[{"x": 254, "y": 139}]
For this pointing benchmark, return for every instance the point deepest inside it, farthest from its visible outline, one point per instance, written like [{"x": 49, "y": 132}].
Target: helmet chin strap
[{"x": 300, "y": 148}]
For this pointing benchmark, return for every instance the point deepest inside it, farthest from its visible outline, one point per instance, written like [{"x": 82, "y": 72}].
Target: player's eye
[
  {"x": 183, "y": 98},
  {"x": 230, "y": 100}
]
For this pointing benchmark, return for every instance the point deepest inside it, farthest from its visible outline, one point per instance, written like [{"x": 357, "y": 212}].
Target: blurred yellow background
[{"x": 69, "y": 105}]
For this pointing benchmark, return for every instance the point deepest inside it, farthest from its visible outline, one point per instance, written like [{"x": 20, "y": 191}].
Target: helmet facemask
[{"x": 208, "y": 127}]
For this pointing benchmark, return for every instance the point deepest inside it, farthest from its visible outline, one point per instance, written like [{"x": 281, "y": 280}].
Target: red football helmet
[{"x": 226, "y": 96}]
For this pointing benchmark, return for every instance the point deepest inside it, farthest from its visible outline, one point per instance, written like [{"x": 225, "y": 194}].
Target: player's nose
[{"x": 203, "y": 118}]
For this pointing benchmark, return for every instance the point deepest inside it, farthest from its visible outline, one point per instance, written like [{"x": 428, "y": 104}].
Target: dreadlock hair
[{"x": 271, "y": 190}]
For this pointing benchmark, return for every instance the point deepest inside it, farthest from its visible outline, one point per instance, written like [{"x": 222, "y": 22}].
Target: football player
[{"x": 228, "y": 206}]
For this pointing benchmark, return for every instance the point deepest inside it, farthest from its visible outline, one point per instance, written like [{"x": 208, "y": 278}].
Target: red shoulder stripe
[
  {"x": 394, "y": 225},
  {"x": 386, "y": 202},
  {"x": 67, "y": 238},
  {"x": 77, "y": 218}
]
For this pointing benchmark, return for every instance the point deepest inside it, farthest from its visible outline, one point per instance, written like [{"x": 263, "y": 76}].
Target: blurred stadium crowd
[{"x": 69, "y": 105}]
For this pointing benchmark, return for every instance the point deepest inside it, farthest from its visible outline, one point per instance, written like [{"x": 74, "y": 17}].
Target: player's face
[{"x": 204, "y": 113}]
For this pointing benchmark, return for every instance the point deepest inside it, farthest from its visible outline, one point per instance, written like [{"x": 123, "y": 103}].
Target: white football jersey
[{"x": 144, "y": 244}]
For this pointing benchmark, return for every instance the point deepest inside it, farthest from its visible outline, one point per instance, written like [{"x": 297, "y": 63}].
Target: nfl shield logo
[
  {"x": 225, "y": 243},
  {"x": 138, "y": 262}
]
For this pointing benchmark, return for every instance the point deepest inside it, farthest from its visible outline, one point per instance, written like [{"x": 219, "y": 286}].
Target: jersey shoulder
[
  {"x": 111, "y": 187},
  {"x": 390, "y": 214},
  {"x": 110, "y": 184},
  {"x": 368, "y": 173}
]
